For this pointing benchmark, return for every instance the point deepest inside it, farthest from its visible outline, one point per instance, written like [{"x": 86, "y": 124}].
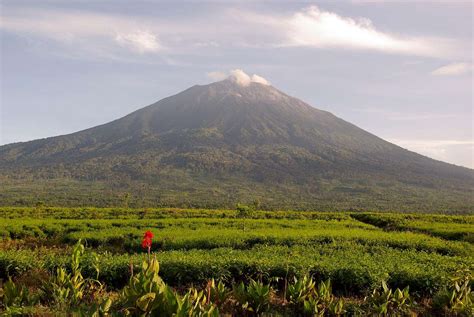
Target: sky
[{"x": 402, "y": 70}]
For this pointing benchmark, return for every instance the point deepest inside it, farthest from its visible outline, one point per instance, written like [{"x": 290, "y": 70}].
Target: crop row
[
  {"x": 155, "y": 213},
  {"x": 204, "y": 233},
  {"x": 459, "y": 228},
  {"x": 352, "y": 267},
  {"x": 65, "y": 291}
]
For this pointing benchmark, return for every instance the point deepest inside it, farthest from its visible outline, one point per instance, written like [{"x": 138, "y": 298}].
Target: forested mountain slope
[{"x": 218, "y": 144}]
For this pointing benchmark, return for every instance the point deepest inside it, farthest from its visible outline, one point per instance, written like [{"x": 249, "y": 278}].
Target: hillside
[{"x": 218, "y": 144}]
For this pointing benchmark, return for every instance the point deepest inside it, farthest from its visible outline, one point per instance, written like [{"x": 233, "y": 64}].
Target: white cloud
[
  {"x": 90, "y": 32},
  {"x": 324, "y": 29},
  {"x": 140, "y": 41},
  {"x": 210, "y": 33},
  {"x": 259, "y": 79},
  {"x": 460, "y": 152},
  {"x": 453, "y": 69},
  {"x": 238, "y": 76}
]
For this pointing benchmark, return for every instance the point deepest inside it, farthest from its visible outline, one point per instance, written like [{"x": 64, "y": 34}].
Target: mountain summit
[{"x": 236, "y": 140}]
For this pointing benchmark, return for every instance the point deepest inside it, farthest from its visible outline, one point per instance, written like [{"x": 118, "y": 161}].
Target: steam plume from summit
[{"x": 238, "y": 76}]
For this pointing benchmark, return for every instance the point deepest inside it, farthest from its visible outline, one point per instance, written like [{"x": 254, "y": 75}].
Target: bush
[{"x": 457, "y": 297}]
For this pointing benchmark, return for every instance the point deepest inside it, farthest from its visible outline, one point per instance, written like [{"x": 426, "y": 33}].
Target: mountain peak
[
  {"x": 252, "y": 91},
  {"x": 243, "y": 133}
]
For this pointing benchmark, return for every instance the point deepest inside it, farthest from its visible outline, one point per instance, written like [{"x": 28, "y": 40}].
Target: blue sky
[{"x": 399, "y": 69}]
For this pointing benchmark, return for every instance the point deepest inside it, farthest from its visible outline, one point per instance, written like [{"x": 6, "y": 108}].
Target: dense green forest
[{"x": 206, "y": 192}]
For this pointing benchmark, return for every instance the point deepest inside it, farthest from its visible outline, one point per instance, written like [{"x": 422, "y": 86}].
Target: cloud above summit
[{"x": 238, "y": 76}]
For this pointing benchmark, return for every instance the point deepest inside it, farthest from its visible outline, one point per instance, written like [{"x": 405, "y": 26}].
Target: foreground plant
[
  {"x": 385, "y": 302},
  {"x": 64, "y": 291},
  {"x": 140, "y": 295},
  {"x": 218, "y": 292},
  {"x": 300, "y": 290},
  {"x": 255, "y": 297},
  {"x": 197, "y": 304},
  {"x": 147, "y": 294},
  {"x": 69, "y": 288},
  {"x": 317, "y": 300},
  {"x": 457, "y": 297},
  {"x": 13, "y": 297}
]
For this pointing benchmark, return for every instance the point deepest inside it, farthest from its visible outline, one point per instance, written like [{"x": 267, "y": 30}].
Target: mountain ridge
[{"x": 226, "y": 132}]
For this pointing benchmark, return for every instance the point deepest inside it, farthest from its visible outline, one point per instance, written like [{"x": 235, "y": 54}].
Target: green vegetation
[
  {"x": 204, "y": 148},
  {"x": 199, "y": 190},
  {"x": 446, "y": 227},
  {"x": 307, "y": 263}
]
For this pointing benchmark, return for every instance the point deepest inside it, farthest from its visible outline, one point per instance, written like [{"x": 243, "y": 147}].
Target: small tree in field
[{"x": 243, "y": 211}]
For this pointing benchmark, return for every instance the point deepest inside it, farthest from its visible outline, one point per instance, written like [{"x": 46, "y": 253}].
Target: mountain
[{"x": 227, "y": 142}]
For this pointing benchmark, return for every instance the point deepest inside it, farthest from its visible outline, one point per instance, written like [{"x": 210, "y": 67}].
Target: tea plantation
[{"x": 358, "y": 254}]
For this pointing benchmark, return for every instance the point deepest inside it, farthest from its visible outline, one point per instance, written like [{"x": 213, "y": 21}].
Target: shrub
[
  {"x": 254, "y": 297},
  {"x": 384, "y": 302},
  {"x": 14, "y": 296},
  {"x": 147, "y": 294},
  {"x": 69, "y": 289},
  {"x": 457, "y": 297}
]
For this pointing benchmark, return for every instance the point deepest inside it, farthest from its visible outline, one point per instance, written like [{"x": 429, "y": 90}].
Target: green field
[{"x": 356, "y": 251}]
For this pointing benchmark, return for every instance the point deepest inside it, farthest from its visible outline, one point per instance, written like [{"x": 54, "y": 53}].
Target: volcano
[{"x": 227, "y": 142}]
